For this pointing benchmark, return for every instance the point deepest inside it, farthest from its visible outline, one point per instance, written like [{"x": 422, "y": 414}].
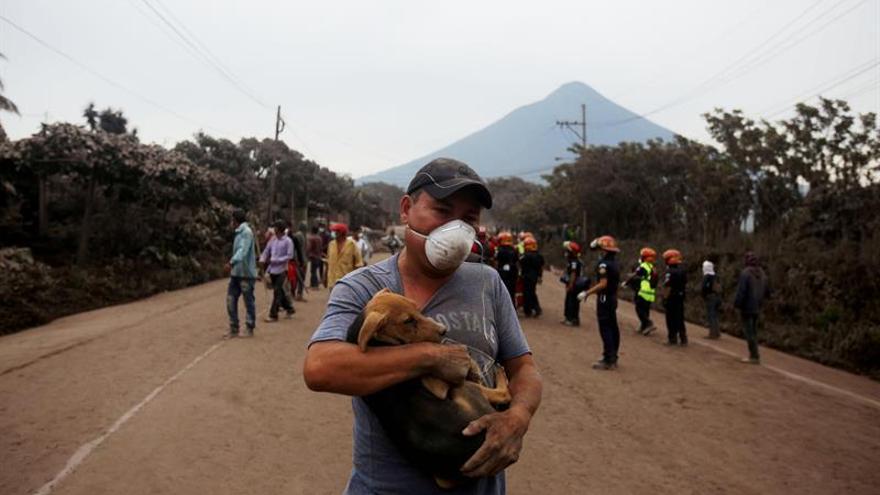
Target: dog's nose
[{"x": 442, "y": 330}]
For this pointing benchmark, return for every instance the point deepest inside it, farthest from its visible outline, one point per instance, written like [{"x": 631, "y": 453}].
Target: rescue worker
[
  {"x": 532, "y": 264},
  {"x": 481, "y": 247},
  {"x": 711, "y": 292},
  {"x": 573, "y": 275},
  {"x": 520, "y": 247},
  {"x": 506, "y": 263},
  {"x": 644, "y": 281},
  {"x": 607, "y": 280},
  {"x": 674, "y": 285}
]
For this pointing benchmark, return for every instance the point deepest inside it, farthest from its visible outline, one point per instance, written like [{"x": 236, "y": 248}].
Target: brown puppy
[{"x": 424, "y": 417}]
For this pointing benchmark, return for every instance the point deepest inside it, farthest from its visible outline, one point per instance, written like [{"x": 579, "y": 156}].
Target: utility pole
[
  {"x": 568, "y": 124},
  {"x": 279, "y": 127}
]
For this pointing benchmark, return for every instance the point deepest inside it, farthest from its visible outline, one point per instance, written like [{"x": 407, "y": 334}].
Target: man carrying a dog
[{"x": 440, "y": 209}]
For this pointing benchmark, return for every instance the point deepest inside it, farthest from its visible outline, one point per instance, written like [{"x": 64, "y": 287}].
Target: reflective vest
[{"x": 647, "y": 292}]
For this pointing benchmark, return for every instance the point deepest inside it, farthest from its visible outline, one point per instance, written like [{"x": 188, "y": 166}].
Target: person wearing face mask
[{"x": 440, "y": 209}]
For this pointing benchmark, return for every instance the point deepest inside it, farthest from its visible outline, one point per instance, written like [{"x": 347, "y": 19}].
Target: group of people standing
[
  {"x": 752, "y": 290},
  {"x": 520, "y": 266},
  {"x": 328, "y": 253}
]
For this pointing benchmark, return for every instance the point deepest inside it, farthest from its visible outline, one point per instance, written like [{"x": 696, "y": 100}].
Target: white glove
[{"x": 582, "y": 295}]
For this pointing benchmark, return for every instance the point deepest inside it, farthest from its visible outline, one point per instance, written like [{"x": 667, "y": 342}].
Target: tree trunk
[{"x": 85, "y": 230}]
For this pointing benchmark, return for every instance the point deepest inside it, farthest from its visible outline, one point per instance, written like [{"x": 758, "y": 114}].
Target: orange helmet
[
  {"x": 605, "y": 243},
  {"x": 672, "y": 257},
  {"x": 648, "y": 254},
  {"x": 505, "y": 239},
  {"x": 572, "y": 246},
  {"x": 530, "y": 244}
]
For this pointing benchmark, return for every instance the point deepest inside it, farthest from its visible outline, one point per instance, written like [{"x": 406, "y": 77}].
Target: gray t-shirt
[{"x": 477, "y": 311}]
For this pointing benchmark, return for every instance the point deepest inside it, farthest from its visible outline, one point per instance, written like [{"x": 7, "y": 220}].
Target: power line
[
  {"x": 106, "y": 79},
  {"x": 204, "y": 47},
  {"x": 204, "y": 57},
  {"x": 857, "y": 70},
  {"x": 752, "y": 59},
  {"x": 780, "y": 49},
  {"x": 833, "y": 85}
]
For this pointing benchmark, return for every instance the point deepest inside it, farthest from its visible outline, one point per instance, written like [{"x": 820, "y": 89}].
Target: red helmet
[
  {"x": 505, "y": 239},
  {"x": 572, "y": 246},
  {"x": 672, "y": 257},
  {"x": 340, "y": 228},
  {"x": 530, "y": 244},
  {"x": 605, "y": 243},
  {"x": 648, "y": 254}
]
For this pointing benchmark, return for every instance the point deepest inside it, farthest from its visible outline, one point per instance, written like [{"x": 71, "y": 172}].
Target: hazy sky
[{"x": 366, "y": 85}]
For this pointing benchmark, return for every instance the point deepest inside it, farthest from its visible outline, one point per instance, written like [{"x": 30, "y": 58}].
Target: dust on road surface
[{"x": 237, "y": 418}]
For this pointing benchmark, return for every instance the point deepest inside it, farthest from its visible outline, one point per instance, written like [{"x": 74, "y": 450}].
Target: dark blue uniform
[
  {"x": 572, "y": 309},
  {"x": 676, "y": 281},
  {"x": 506, "y": 259},
  {"x": 606, "y": 307}
]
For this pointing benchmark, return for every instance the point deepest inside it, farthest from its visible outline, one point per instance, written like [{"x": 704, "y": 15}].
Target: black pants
[
  {"x": 643, "y": 311},
  {"x": 510, "y": 283},
  {"x": 675, "y": 321},
  {"x": 316, "y": 267},
  {"x": 750, "y": 329},
  {"x": 713, "y": 307},
  {"x": 572, "y": 307},
  {"x": 530, "y": 297},
  {"x": 609, "y": 331},
  {"x": 300, "y": 280},
  {"x": 279, "y": 298}
]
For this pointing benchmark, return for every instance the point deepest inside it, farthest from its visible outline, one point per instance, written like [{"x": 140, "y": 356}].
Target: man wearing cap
[{"x": 440, "y": 209}]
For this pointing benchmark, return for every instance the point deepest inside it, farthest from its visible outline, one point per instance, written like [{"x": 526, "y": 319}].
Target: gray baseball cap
[{"x": 443, "y": 177}]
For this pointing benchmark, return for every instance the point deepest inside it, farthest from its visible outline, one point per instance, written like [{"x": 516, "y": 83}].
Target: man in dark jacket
[
  {"x": 711, "y": 292},
  {"x": 532, "y": 269},
  {"x": 751, "y": 292},
  {"x": 674, "y": 288},
  {"x": 508, "y": 264}
]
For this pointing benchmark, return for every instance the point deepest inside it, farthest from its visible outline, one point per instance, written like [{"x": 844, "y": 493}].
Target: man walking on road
[
  {"x": 299, "y": 249},
  {"x": 440, "y": 209},
  {"x": 242, "y": 268},
  {"x": 276, "y": 256},
  {"x": 343, "y": 255},
  {"x": 607, "y": 278},
  {"x": 315, "y": 253},
  {"x": 674, "y": 285},
  {"x": 751, "y": 292}
]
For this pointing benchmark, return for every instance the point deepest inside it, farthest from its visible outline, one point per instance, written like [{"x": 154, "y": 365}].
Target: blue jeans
[{"x": 237, "y": 287}]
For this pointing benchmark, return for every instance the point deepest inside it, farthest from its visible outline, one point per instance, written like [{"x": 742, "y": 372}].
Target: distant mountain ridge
[{"x": 526, "y": 141}]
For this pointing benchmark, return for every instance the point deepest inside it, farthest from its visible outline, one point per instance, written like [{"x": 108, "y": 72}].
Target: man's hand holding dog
[
  {"x": 449, "y": 363},
  {"x": 504, "y": 433}
]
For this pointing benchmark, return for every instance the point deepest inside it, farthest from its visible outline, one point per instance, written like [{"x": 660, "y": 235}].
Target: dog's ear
[
  {"x": 372, "y": 323},
  {"x": 386, "y": 290}
]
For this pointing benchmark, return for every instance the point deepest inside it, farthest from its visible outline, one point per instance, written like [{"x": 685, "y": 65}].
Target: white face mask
[{"x": 447, "y": 246}]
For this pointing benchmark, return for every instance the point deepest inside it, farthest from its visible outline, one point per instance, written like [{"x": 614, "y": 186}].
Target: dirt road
[{"x": 146, "y": 398}]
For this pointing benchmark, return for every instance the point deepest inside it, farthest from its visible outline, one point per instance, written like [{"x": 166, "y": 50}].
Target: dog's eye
[{"x": 409, "y": 321}]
